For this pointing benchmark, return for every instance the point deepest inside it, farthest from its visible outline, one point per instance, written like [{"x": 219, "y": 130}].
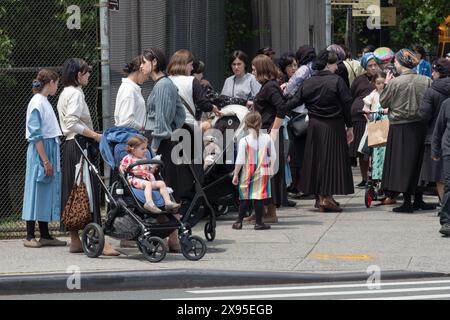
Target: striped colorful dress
[{"x": 256, "y": 155}]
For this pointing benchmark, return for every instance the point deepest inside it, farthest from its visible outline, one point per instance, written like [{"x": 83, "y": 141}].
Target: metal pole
[
  {"x": 105, "y": 72},
  {"x": 105, "y": 63},
  {"x": 328, "y": 22}
]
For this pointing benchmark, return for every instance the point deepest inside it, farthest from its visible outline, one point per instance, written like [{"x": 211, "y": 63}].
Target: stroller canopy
[{"x": 113, "y": 137}]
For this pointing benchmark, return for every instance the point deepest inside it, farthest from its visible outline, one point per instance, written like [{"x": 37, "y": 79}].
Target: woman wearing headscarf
[
  {"x": 326, "y": 169},
  {"x": 406, "y": 141},
  {"x": 342, "y": 69},
  {"x": 305, "y": 56},
  {"x": 361, "y": 88}
]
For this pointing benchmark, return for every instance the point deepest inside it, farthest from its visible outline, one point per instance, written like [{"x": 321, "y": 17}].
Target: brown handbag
[
  {"x": 76, "y": 214},
  {"x": 378, "y": 133}
]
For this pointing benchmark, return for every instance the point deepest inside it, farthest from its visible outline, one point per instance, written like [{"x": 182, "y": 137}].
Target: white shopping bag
[
  {"x": 363, "y": 141},
  {"x": 86, "y": 180}
]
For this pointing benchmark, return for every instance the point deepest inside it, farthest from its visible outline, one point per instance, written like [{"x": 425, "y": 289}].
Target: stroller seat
[{"x": 120, "y": 151}]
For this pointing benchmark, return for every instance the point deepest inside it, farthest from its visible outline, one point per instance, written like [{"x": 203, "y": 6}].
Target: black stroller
[
  {"x": 213, "y": 186},
  {"x": 128, "y": 220}
]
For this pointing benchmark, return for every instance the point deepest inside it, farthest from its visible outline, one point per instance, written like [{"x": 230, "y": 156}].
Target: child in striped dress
[{"x": 254, "y": 168}]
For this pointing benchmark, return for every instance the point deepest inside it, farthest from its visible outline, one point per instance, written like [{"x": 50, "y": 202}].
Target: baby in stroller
[{"x": 142, "y": 176}]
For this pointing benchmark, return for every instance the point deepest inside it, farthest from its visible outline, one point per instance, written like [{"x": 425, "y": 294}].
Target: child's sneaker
[{"x": 152, "y": 208}]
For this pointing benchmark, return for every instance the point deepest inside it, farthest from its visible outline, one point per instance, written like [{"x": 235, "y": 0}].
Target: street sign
[
  {"x": 388, "y": 17},
  {"x": 114, "y": 5},
  {"x": 361, "y": 8},
  {"x": 366, "y": 8}
]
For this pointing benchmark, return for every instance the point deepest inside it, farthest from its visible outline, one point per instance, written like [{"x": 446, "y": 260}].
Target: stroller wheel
[
  {"x": 93, "y": 240},
  {"x": 210, "y": 232},
  {"x": 193, "y": 248},
  {"x": 153, "y": 249},
  {"x": 368, "y": 198}
]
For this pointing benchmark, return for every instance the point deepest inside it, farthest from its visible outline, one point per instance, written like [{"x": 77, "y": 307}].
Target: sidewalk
[{"x": 304, "y": 242}]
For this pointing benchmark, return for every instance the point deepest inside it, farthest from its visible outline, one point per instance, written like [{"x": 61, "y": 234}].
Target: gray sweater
[{"x": 165, "y": 111}]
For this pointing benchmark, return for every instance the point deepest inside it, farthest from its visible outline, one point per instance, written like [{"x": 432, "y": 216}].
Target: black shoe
[
  {"x": 445, "y": 230},
  {"x": 423, "y": 206},
  {"x": 362, "y": 184},
  {"x": 404, "y": 209},
  {"x": 263, "y": 226},
  {"x": 290, "y": 204}
]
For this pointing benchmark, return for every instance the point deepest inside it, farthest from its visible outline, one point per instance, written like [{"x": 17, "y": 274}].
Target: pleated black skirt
[
  {"x": 432, "y": 171},
  {"x": 326, "y": 169},
  {"x": 71, "y": 156},
  {"x": 359, "y": 128},
  {"x": 404, "y": 157}
]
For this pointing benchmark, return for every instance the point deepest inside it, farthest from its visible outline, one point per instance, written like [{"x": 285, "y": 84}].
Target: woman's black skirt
[
  {"x": 278, "y": 182},
  {"x": 177, "y": 176},
  {"x": 326, "y": 169},
  {"x": 71, "y": 156},
  {"x": 296, "y": 154},
  {"x": 404, "y": 156},
  {"x": 359, "y": 128},
  {"x": 432, "y": 171}
]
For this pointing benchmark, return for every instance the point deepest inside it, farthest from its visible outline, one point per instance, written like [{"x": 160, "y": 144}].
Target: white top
[
  {"x": 261, "y": 142},
  {"x": 245, "y": 87},
  {"x": 185, "y": 87},
  {"x": 50, "y": 127},
  {"x": 74, "y": 115},
  {"x": 372, "y": 101},
  {"x": 130, "y": 111}
]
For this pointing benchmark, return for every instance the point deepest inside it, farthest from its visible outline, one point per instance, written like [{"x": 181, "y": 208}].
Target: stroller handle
[
  {"x": 144, "y": 162},
  {"x": 371, "y": 112}
]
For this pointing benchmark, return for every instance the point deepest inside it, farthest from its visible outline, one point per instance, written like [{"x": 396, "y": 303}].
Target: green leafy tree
[
  {"x": 419, "y": 21},
  {"x": 238, "y": 26}
]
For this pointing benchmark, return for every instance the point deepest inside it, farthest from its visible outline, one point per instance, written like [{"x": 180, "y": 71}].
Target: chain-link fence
[{"x": 35, "y": 34}]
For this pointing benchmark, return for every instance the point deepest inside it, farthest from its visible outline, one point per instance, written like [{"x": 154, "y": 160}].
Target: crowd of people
[{"x": 338, "y": 94}]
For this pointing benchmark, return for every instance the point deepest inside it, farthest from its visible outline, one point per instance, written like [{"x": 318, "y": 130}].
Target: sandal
[{"x": 237, "y": 225}]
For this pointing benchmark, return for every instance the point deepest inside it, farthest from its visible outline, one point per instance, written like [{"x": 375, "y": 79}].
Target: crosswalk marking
[
  {"x": 344, "y": 286},
  {"x": 430, "y": 297},
  {"x": 319, "y": 294}
]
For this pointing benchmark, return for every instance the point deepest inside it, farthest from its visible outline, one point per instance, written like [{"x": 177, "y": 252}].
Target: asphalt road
[{"x": 433, "y": 289}]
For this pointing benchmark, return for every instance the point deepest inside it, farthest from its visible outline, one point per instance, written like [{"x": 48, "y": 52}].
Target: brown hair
[
  {"x": 265, "y": 68},
  {"x": 253, "y": 121},
  {"x": 379, "y": 75},
  {"x": 134, "y": 65},
  {"x": 178, "y": 63},
  {"x": 134, "y": 142},
  {"x": 238, "y": 54},
  {"x": 44, "y": 77}
]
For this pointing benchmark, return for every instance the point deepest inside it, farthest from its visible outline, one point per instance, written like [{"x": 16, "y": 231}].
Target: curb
[{"x": 181, "y": 279}]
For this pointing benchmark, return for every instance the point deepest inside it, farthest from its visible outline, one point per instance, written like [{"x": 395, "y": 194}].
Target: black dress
[
  {"x": 326, "y": 169},
  {"x": 361, "y": 88},
  {"x": 270, "y": 103}
]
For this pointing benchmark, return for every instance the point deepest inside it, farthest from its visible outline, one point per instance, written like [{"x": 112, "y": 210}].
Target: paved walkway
[{"x": 305, "y": 241}]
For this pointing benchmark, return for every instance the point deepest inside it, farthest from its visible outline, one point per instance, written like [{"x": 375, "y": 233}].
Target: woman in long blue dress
[{"x": 42, "y": 196}]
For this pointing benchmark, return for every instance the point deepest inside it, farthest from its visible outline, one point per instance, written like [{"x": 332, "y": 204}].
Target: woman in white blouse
[
  {"x": 130, "y": 109},
  {"x": 75, "y": 119}
]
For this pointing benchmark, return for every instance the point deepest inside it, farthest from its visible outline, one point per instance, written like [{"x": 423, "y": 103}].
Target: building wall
[
  {"x": 197, "y": 25},
  {"x": 291, "y": 23}
]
